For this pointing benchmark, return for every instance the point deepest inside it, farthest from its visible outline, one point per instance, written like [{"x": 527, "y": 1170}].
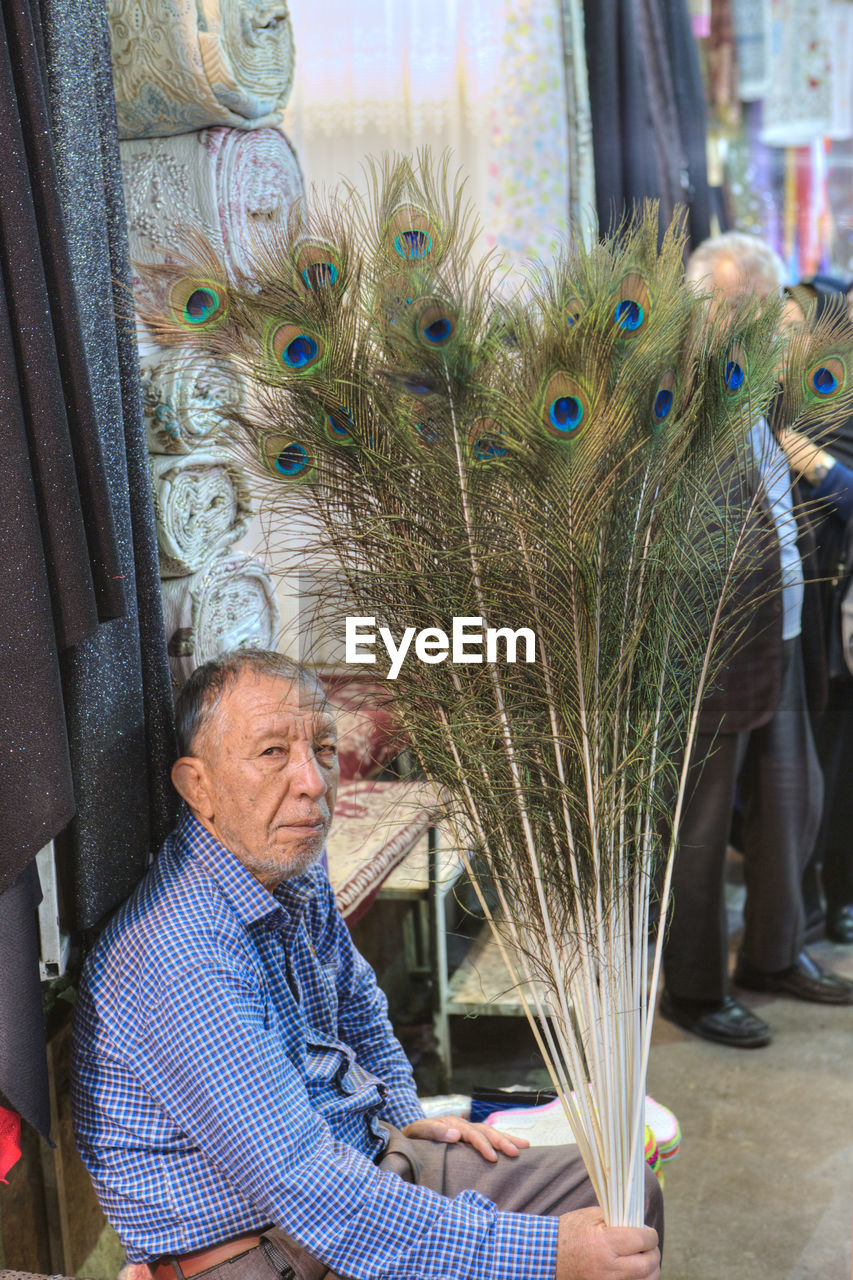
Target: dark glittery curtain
[
  {"x": 60, "y": 569},
  {"x": 85, "y": 704},
  {"x": 648, "y": 110},
  {"x": 117, "y": 683}
]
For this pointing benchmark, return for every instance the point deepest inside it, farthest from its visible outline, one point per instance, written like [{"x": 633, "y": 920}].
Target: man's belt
[{"x": 185, "y": 1265}]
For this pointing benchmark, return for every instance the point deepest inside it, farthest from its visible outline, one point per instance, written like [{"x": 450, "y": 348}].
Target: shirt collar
[{"x": 246, "y": 894}]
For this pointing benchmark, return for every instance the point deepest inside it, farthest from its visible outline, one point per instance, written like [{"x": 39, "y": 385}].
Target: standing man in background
[{"x": 755, "y": 739}]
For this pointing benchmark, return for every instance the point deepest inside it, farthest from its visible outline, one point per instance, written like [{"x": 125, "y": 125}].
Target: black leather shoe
[
  {"x": 804, "y": 980},
  {"x": 839, "y": 923},
  {"x": 724, "y": 1022}
]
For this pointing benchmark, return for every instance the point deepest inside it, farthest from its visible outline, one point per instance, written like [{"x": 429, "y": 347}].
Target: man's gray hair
[
  {"x": 202, "y": 693},
  {"x": 754, "y": 257}
]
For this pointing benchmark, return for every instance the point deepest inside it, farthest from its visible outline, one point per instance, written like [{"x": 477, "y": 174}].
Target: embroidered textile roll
[
  {"x": 202, "y": 503},
  {"x": 230, "y": 604},
  {"x": 224, "y": 182},
  {"x": 186, "y": 399},
  {"x": 180, "y": 65}
]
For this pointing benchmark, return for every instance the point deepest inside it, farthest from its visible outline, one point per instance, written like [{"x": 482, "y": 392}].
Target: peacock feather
[{"x": 570, "y": 461}]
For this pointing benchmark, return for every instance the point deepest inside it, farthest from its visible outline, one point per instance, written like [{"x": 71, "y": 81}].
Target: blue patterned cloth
[{"x": 233, "y": 1060}]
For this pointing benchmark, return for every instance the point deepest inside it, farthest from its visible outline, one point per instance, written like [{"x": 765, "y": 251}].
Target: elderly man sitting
[{"x": 240, "y": 1099}]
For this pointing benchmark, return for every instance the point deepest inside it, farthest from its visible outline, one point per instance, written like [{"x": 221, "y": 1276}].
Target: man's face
[{"x": 270, "y": 764}]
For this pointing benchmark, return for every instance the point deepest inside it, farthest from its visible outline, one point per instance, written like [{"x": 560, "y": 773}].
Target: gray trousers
[
  {"x": 781, "y": 791},
  {"x": 540, "y": 1180}
]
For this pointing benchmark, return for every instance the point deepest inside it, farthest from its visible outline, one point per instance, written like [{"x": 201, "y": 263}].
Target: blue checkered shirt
[{"x": 233, "y": 1060}]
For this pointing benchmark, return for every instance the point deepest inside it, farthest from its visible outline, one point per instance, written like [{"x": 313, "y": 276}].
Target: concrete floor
[{"x": 762, "y": 1188}]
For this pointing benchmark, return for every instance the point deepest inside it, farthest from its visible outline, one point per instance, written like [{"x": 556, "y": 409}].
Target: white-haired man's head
[{"x": 736, "y": 265}]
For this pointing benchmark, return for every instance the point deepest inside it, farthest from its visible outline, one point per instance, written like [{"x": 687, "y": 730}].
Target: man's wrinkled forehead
[{"x": 261, "y": 703}]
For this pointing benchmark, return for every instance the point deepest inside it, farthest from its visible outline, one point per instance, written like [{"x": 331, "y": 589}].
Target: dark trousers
[
  {"x": 833, "y": 851},
  {"x": 540, "y": 1180},
  {"x": 781, "y": 792}
]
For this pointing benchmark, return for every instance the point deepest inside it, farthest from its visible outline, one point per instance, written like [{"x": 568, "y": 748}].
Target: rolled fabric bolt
[
  {"x": 230, "y": 604},
  {"x": 202, "y": 503},
  {"x": 228, "y": 184},
  {"x": 187, "y": 399},
  {"x": 182, "y": 65}
]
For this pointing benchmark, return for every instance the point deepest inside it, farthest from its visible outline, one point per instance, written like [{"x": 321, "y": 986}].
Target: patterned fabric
[
  {"x": 180, "y": 65},
  {"x": 230, "y": 604},
  {"x": 202, "y": 504},
  {"x": 529, "y": 196},
  {"x": 232, "y": 1061},
  {"x": 798, "y": 104},
  {"x": 225, "y": 183},
  {"x": 375, "y": 826},
  {"x": 187, "y": 398}
]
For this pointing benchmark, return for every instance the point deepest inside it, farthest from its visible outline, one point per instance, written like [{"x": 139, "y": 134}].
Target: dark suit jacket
[{"x": 745, "y": 690}]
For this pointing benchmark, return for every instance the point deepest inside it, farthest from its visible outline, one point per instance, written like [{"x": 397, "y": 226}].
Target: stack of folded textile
[{"x": 200, "y": 88}]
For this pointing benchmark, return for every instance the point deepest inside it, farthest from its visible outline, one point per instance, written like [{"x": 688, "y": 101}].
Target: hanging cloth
[
  {"x": 117, "y": 683},
  {"x": 60, "y": 569},
  {"x": 648, "y": 109}
]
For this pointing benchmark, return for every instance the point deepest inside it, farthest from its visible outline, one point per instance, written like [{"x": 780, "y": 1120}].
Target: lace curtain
[{"x": 487, "y": 78}]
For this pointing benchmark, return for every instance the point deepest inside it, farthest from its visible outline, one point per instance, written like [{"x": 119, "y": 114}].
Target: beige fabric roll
[
  {"x": 180, "y": 65},
  {"x": 202, "y": 503},
  {"x": 187, "y": 399},
  {"x": 223, "y": 182},
  {"x": 230, "y": 604}
]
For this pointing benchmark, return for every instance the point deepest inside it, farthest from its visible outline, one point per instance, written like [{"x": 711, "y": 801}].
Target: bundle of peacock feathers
[{"x": 570, "y": 462}]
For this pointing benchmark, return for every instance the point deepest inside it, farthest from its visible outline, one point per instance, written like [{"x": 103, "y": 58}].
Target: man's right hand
[{"x": 587, "y": 1249}]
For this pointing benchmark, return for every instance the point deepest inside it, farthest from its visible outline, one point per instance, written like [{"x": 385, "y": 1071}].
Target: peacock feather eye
[
  {"x": 734, "y": 370},
  {"x": 486, "y": 441},
  {"x": 828, "y": 378},
  {"x": 566, "y": 407},
  {"x": 436, "y": 324},
  {"x": 319, "y": 266},
  {"x": 197, "y": 303},
  {"x": 411, "y": 234},
  {"x": 631, "y": 312},
  {"x": 288, "y": 459},
  {"x": 573, "y": 311},
  {"x": 295, "y": 348},
  {"x": 429, "y": 427},
  {"x": 664, "y": 399},
  {"x": 339, "y": 424}
]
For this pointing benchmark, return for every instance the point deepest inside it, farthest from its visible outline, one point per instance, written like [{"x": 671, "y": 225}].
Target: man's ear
[{"x": 190, "y": 780}]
